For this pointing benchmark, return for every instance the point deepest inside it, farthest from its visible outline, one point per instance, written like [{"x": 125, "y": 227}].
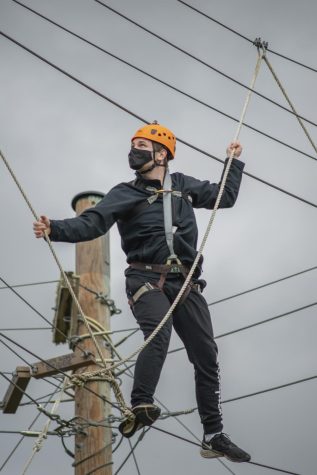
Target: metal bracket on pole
[{"x": 109, "y": 302}]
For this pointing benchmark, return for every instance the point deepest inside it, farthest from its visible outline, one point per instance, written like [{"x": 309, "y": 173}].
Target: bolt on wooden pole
[{"x": 93, "y": 450}]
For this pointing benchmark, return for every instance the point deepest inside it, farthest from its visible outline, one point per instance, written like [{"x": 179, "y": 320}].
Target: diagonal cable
[
  {"x": 170, "y": 86},
  {"x": 190, "y": 55},
  {"x": 299, "y": 63},
  {"x": 262, "y": 286},
  {"x": 133, "y": 114}
]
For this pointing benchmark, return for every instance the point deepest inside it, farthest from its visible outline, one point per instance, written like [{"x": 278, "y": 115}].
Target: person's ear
[{"x": 162, "y": 154}]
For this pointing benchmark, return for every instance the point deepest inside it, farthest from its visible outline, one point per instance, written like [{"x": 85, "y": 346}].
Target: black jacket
[{"x": 143, "y": 235}]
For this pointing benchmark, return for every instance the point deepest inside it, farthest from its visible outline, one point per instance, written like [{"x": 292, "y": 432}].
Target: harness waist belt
[{"x": 161, "y": 268}]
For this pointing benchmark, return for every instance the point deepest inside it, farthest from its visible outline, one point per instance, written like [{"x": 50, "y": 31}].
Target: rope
[
  {"x": 110, "y": 377},
  {"x": 204, "y": 63},
  {"x": 43, "y": 435},
  {"x": 199, "y": 253},
  {"x": 242, "y": 36},
  {"x": 137, "y": 116},
  {"x": 79, "y": 379},
  {"x": 290, "y": 103},
  {"x": 130, "y": 65},
  {"x": 71, "y": 291},
  {"x": 22, "y": 438}
]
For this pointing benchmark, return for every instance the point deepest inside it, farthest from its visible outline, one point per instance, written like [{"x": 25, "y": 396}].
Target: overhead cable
[
  {"x": 247, "y": 327},
  {"x": 193, "y": 147},
  {"x": 273, "y": 388},
  {"x": 261, "y": 286},
  {"x": 24, "y": 328},
  {"x": 201, "y": 61},
  {"x": 140, "y": 438},
  {"x": 245, "y": 37},
  {"x": 30, "y": 284},
  {"x": 134, "y": 457},
  {"x": 199, "y": 445},
  {"x": 40, "y": 314},
  {"x": 203, "y": 103}
]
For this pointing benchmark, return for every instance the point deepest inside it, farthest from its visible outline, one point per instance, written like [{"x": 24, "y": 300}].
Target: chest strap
[{"x": 143, "y": 205}]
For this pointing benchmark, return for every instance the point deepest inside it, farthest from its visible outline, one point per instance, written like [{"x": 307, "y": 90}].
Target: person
[{"x": 155, "y": 217}]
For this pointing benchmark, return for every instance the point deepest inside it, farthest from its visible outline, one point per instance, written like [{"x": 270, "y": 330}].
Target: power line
[
  {"x": 291, "y": 312},
  {"x": 40, "y": 314},
  {"x": 30, "y": 284},
  {"x": 273, "y": 388},
  {"x": 199, "y": 445},
  {"x": 141, "y": 436},
  {"x": 193, "y": 147},
  {"x": 267, "y": 320},
  {"x": 162, "y": 81},
  {"x": 178, "y": 48},
  {"x": 190, "y": 432},
  {"x": 24, "y": 329},
  {"x": 245, "y": 37},
  {"x": 262, "y": 286},
  {"x": 134, "y": 457}
]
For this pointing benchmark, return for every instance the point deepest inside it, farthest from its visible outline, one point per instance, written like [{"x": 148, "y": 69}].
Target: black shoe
[
  {"x": 221, "y": 446},
  {"x": 145, "y": 415}
]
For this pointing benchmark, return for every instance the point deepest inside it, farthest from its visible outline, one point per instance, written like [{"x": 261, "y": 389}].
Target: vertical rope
[
  {"x": 114, "y": 384},
  {"x": 43, "y": 435},
  {"x": 80, "y": 310},
  {"x": 200, "y": 251},
  {"x": 108, "y": 371}
]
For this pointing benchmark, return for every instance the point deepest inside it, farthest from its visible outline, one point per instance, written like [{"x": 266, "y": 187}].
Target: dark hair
[{"x": 157, "y": 147}]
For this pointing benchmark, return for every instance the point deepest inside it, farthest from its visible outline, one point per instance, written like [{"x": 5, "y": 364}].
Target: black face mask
[{"x": 138, "y": 158}]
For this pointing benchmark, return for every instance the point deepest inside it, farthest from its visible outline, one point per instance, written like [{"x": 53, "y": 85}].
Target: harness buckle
[{"x": 174, "y": 264}]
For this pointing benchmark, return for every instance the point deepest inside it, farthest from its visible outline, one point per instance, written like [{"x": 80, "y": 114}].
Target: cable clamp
[
  {"x": 109, "y": 302},
  {"x": 261, "y": 44}
]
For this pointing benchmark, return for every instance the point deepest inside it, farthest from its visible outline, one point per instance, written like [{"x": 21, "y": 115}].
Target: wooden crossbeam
[
  {"x": 38, "y": 370},
  {"x": 71, "y": 361},
  {"x": 16, "y": 389}
]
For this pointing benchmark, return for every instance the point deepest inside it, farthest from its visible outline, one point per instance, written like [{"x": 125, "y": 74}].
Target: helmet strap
[{"x": 155, "y": 164}]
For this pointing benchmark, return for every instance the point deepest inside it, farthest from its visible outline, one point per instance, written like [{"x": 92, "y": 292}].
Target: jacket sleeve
[
  {"x": 93, "y": 222},
  {"x": 204, "y": 193}
]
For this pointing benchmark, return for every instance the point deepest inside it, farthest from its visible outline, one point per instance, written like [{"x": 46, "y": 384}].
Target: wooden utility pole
[{"x": 93, "y": 451}]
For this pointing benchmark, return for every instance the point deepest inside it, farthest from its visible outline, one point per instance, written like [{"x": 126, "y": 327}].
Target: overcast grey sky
[{"x": 62, "y": 139}]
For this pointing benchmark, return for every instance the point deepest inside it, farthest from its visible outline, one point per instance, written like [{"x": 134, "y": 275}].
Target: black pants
[{"x": 192, "y": 322}]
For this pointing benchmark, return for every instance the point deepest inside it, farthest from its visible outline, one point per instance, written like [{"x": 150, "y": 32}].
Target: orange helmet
[{"x": 157, "y": 133}]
